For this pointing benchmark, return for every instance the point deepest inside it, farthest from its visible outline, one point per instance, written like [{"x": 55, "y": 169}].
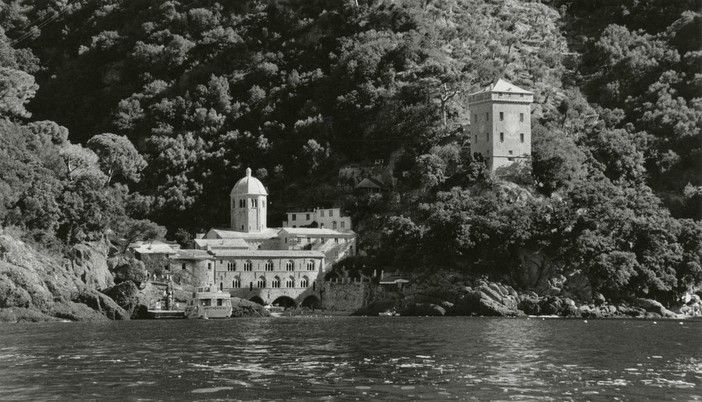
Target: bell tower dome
[{"x": 248, "y": 204}]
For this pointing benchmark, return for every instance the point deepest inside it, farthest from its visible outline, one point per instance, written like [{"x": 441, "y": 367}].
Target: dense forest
[{"x": 127, "y": 118}]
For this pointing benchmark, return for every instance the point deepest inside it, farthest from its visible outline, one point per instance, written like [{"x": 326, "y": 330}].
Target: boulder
[
  {"x": 128, "y": 269},
  {"x": 551, "y": 305},
  {"x": 577, "y": 285},
  {"x": 102, "y": 303},
  {"x": 653, "y": 306},
  {"x": 488, "y": 299},
  {"x": 126, "y": 295},
  {"x": 89, "y": 263},
  {"x": 246, "y": 308}
]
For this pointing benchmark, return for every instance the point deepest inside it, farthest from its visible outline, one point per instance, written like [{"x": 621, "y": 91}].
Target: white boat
[
  {"x": 275, "y": 311},
  {"x": 207, "y": 303}
]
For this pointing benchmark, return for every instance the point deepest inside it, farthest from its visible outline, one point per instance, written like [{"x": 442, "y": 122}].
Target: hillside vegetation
[{"x": 124, "y": 118}]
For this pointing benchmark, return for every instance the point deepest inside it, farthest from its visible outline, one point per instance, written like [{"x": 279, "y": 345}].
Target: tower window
[
  {"x": 242, "y": 203},
  {"x": 521, "y": 117},
  {"x": 502, "y": 116},
  {"x": 502, "y": 137},
  {"x": 521, "y": 137}
]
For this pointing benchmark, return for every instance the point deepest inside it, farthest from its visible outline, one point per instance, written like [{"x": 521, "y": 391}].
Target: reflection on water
[{"x": 348, "y": 358}]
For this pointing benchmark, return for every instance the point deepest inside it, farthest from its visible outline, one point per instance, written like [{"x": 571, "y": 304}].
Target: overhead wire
[{"x": 30, "y": 28}]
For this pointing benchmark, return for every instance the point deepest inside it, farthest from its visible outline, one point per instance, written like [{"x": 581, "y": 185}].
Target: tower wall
[{"x": 501, "y": 127}]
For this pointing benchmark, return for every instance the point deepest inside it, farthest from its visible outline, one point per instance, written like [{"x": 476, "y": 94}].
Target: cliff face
[{"x": 37, "y": 287}]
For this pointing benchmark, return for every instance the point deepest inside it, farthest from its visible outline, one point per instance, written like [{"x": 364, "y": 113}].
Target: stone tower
[
  {"x": 500, "y": 123},
  {"x": 248, "y": 204}
]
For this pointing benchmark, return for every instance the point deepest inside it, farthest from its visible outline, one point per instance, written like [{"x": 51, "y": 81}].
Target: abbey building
[{"x": 268, "y": 265}]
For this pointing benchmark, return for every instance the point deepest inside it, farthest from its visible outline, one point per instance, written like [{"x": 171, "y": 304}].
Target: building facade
[
  {"x": 501, "y": 123},
  {"x": 324, "y": 218},
  {"x": 249, "y": 260}
]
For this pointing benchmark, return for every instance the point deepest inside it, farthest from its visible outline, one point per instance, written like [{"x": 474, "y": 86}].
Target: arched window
[
  {"x": 310, "y": 265},
  {"x": 261, "y": 283},
  {"x": 269, "y": 265},
  {"x": 248, "y": 266},
  {"x": 290, "y": 282},
  {"x": 231, "y": 266},
  {"x": 236, "y": 283},
  {"x": 290, "y": 265},
  {"x": 305, "y": 282},
  {"x": 276, "y": 282},
  {"x": 242, "y": 203}
]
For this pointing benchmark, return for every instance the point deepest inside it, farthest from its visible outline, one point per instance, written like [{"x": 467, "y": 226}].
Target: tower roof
[
  {"x": 249, "y": 185},
  {"x": 504, "y": 86}
]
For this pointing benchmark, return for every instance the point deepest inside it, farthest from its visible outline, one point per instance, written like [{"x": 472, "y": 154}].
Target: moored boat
[{"x": 207, "y": 303}]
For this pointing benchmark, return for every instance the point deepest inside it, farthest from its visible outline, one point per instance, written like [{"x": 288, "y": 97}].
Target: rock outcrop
[
  {"x": 246, "y": 308},
  {"x": 35, "y": 286}
]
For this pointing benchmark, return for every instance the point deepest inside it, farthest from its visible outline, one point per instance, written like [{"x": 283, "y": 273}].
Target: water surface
[{"x": 353, "y": 358}]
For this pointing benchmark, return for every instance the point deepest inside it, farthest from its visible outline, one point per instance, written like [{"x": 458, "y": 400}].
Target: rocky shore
[
  {"x": 88, "y": 283},
  {"x": 484, "y": 298}
]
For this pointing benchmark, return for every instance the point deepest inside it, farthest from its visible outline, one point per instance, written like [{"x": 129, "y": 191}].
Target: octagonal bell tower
[{"x": 248, "y": 204}]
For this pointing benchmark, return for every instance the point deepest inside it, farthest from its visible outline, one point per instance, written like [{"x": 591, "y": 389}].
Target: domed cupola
[
  {"x": 248, "y": 204},
  {"x": 248, "y": 185}
]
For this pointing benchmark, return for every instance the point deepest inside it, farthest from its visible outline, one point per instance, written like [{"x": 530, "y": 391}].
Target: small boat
[
  {"x": 275, "y": 311},
  {"x": 207, "y": 303}
]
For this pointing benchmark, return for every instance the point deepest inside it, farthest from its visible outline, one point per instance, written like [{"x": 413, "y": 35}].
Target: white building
[{"x": 323, "y": 218}]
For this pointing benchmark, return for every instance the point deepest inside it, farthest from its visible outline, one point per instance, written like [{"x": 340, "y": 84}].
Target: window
[
  {"x": 502, "y": 116},
  {"x": 334, "y": 225},
  {"x": 275, "y": 283},
  {"x": 290, "y": 266},
  {"x": 510, "y": 159},
  {"x": 304, "y": 282},
  {"x": 310, "y": 265},
  {"x": 521, "y": 137},
  {"x": 261, "y": 283},
  {"x": 250, "y": 285},
  {"x": 290, "y": 282},
  {"x": 231, "y": 266},
  {"x": 521, "y": 117},
  {"x": 233, "y": 204},
  {"x": 248, "y": 266},
  {"x": 221, "y": 287},
  {"x": 269, "y": 265},
  {"x": 263, "y": 203},
  {"x": 209, "y": 266},
  {"x": 343, "y": 224},
  {"x": 487, "y": 116},
  {"x": 502, "y": 137},
  {"x": 253, "y": 203},
  {"x": 220, "y": 301},
  {"x": 294, "y": 217},
  {"x": 510, "y": 152},
  {"x": 236, "y": 283},
  {"x": 307, "y": 217},
  {"x": 475, "y": 118},
  {"x": 182, "y": 266},
  {"x": 242, "y": 203},
  {"x": 476, "y": 138}
]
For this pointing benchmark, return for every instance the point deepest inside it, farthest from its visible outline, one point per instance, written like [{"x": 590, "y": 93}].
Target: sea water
[{"x": 353, "y": 358}]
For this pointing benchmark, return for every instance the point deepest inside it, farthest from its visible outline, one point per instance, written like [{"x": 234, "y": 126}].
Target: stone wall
[{"x": 345, "y": 296}]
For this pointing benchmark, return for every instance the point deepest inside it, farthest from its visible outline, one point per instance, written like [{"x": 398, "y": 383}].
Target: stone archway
[
  {"x": 311, "y": 301},
  {"x": 285, "y": 301},
  {"x": 257, "y": 299}
]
